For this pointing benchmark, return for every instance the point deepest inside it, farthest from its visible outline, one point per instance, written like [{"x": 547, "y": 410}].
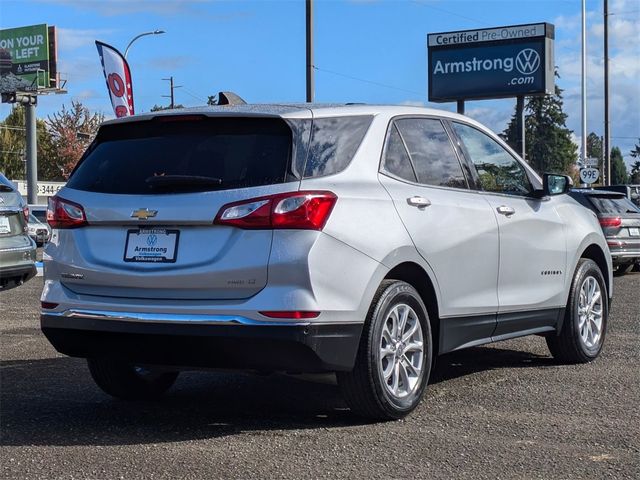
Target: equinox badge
[{"x": 143, "y": 213}]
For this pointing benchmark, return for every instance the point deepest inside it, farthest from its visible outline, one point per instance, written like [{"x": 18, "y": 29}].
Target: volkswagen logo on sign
[
  {"x": 527, "y": 61},
  {"x": 152, "y": 240}
]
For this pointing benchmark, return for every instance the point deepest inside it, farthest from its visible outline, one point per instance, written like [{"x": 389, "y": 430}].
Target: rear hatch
[
  {"x": 12, "y": 230},
  {"x": 150, "y": 191},
  {"x": 619, "y": 217}
]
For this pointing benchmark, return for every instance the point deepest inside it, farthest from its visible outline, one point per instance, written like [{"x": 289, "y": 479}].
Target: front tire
[
  {"x": 394, "y": 357},
  {"x": 585, "y": 324},
  {"x": 130, "y": 382}
]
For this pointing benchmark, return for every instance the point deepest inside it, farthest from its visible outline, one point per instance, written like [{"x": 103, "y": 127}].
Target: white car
[{"x": 361, "y": 240}]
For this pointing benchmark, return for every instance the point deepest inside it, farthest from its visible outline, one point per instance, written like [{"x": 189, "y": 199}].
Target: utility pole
[
  {"x": 29, "y": 102},
  {"x": 309, "y": 22},
  {"x": 172, "y": 87},
  {"x": 607, "y": 126},
  {"x": 584, "y": 83}
]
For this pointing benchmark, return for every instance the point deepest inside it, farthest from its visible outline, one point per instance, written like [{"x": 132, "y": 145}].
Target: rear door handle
[
  {"x": 418, "y": 201},
  {"x": 504, "y": 210}
]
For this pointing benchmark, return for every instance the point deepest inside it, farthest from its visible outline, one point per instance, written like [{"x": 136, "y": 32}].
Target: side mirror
[{"x": 553, "y": 184}]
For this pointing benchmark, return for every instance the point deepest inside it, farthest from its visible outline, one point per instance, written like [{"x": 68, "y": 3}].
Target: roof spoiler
[{"x": 230, "y": 98}]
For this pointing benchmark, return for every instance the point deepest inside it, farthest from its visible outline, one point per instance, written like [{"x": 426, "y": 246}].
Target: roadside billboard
[
  {"x": 491, "y": 63},
  {"x": 26, "y": 60}
]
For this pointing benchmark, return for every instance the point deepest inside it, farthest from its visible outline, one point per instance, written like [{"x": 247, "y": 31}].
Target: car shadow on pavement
[{"x": 54, "y": 402}]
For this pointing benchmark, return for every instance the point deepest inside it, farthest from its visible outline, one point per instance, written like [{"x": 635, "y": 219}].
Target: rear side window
[
  {"x": 334, "y": 142},
  {"x": 613, "y": 205},
  {"x": 396, "y": 158},
  {"x": 431, "y": 151},
  {"x": 196, "y": 152}
]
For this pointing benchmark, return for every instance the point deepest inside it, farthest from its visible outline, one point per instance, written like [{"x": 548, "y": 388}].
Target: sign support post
[
  {"x": 520, "y": 122},
  {"x": 29, "y": 102},
  {"x": 461, "y": 107}
]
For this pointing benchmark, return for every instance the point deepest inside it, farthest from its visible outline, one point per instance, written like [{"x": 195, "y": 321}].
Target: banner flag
[{"x": 118, "y": 77}]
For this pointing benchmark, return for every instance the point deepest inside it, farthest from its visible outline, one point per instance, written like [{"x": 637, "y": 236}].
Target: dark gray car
[
  {"x": 620, "y": 221},
  {"x": 17, "y": 250}
]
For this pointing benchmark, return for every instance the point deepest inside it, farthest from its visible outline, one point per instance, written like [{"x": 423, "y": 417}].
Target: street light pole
[{"x": 155, "y": 32}]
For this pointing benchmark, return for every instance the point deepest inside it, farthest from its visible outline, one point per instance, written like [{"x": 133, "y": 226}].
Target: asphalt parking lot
[{"x": 501, "y": 411}]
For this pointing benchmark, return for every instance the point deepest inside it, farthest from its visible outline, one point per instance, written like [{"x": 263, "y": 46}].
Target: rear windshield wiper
[{"x": 182, "y": 181}]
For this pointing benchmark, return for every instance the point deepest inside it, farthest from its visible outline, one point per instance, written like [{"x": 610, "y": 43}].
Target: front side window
[{"x": 498, "y": 171}]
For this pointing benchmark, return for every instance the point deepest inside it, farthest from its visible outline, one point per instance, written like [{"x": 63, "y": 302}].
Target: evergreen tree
[
  {"x": 619, "y": 175},
  {"x": 635, "y": 153},
  {"x": 635, "y": 173},
  {"x": 594, "y": 148},
  {"x": 548, "y": 140}
]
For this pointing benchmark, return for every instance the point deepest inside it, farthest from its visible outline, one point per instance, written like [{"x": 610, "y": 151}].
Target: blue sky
[{"x": 370, "y": 51}]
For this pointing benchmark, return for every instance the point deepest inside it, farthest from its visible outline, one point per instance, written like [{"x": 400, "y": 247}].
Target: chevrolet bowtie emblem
[{"x": 143, "y": 213}]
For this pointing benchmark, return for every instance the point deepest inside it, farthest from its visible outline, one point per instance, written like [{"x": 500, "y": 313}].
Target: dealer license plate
[
  {"x": 156, "y": 245},
  {"x": 5, "y": 226},
  {"x": 634, "y": 232}
]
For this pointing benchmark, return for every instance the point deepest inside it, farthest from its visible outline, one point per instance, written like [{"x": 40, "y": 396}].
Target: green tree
[
  {"x": 159, "y": 108},
  {"x": 635, "y": 153},
  {"x": 73, "y": 131},
  {"x": 13, "y": 148},
  {"x": 594, "y": 148},
  {"x": 635, "y": 173},
  {"x": 619, "y": 175},
  {"x": 548, "y": 140}
]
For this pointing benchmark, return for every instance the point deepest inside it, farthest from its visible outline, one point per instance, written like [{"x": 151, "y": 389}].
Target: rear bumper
[
  {"x": 624, "y": 255},
  {"x": 227, "y": 343},
  {"x": 17, "y": 273}
]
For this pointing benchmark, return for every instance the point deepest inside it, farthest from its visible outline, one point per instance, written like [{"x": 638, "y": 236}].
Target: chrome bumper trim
[
  {"x": 17, "y": 249},
  {"x": 199, "y": 319}
]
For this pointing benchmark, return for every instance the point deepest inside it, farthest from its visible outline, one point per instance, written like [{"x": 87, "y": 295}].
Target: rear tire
[
  {"x": 394, "y": 357},
  {"x": 585, "y": 323},
  {"x": 129, "y": 382}
]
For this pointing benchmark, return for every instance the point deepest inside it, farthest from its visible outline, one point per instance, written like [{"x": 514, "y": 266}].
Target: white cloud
[{"x": 71, "y": 38}]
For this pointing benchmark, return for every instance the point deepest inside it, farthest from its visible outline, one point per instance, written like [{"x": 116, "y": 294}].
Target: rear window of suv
[
  {"x": 200, "y": 153},
  {"x": 613, "y": 205}
]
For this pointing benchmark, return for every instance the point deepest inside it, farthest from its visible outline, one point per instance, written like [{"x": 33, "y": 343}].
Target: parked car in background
[
  {"x": 39, "y": 211},
  {"x": 17, "y": 250},
  {"x": 620, "y": 221},
  {"x": 38, "y": 231},
  {"x": 362, "y": 240},
  {"x": 632, "y": 192}
]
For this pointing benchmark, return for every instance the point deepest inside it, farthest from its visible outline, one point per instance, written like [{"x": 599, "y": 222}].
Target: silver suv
[
  {"x": 361, "y": 240},
  {"x": 17, "y": 250}
]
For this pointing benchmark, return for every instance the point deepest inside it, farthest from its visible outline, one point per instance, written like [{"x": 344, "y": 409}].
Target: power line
[
  {"x": 422, "y": 4},
  {"x": 193, "y": 94},
  {"x": 366, "y": 81}
]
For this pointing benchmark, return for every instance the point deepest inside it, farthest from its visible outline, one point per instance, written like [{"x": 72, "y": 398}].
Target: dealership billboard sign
[
  {"x": 27, "y": 58},
  {"x": 491, "y": 63}
]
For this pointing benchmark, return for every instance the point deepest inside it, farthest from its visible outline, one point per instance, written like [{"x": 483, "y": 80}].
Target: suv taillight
[
  {"x": 294, "y": 210},
  {"x": 610, "y": 222},
  {"x": 63, "y": 213},
  {"x": 25, "y": 212}
]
